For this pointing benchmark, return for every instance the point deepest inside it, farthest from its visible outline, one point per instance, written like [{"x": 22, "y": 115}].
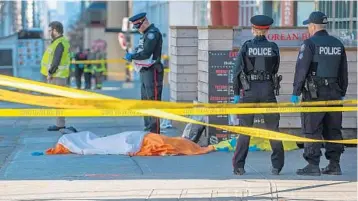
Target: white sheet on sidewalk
[{"x": 87, "y": 143}]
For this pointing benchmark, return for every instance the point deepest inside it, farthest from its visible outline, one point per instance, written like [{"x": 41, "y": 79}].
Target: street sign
[{"x": 122, "y": 41}]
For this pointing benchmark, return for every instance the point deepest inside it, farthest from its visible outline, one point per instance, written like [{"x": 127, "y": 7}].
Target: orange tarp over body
[
  {"x": 59, "y": 149},
  {"x": 156, "y": 145}
]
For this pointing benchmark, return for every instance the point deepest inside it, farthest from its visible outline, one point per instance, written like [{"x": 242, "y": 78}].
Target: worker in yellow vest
[
  {"x": 88, "y": 69},
  {"x": 72, "y": 68},
  {"x": 99, "y": 70},
  {"x": 55, "y": 63}
]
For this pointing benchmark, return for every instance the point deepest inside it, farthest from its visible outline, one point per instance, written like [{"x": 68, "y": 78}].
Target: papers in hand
[{"x": 139, "y": 64}]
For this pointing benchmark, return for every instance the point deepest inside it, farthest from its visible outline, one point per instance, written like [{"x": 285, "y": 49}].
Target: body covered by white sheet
[{"x": 87, "y": 143}]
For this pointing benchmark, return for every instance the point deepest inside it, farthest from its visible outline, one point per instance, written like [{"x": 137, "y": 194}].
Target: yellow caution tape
[
  {"x": 49, "y": 88},
  {"x": 166, "y": 70},
  {"x": 46, "y": 101},
  {"x": 44, "y": 88},
  {"x": 99, "y": 61},
  {"x": 56, "y": 102},
  {"x": 82, "y": 98},
  {"x": 254, "y": 132},
  {"x": 86, "y": 112},
  {"x": 119, "y": 109}
]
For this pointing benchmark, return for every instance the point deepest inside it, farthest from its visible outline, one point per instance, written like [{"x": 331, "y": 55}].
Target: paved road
[{"x": 109, "y": 177}]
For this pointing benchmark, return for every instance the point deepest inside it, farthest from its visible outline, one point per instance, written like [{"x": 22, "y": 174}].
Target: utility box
[{"x": 21, "y": 54}]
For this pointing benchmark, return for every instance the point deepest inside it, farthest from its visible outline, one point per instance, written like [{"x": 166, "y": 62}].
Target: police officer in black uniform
[
  {"x": 321, "y": 74},
  {"x": 255, "y": 76},
  {"x": 150, "y": 46}
]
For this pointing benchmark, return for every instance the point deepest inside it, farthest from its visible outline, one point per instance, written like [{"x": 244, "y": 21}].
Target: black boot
[
  {"x": 332, "y": 169},
  {"x": 275, "y": 171},
  {"x": 309, "y": 170},
  {"x": 239, "y": 171}
]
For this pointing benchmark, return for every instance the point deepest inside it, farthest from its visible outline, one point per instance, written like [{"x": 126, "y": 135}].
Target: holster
[
  {"x": 311, "y": 87},
  {"x": 276, "y": 80},
  {"x": 244, "y": 81}
]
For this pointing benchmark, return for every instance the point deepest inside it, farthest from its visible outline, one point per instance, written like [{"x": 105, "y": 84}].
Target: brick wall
[
  {"x": 183, "y": 64},
  {"x": 210, "y": 39}
]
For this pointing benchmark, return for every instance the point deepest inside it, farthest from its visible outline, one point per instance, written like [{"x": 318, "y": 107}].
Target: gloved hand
[
  {"x": 236, "y": 99},
  {"x": 128, "y": 57},
  {"x": 294, "y": 99}
]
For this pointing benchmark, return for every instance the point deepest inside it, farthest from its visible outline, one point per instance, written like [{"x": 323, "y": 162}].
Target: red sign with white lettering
[
  {"x": 288, "y": 36},
  {"x": 287, "y": 13},
  {"x": 282, "y": 37}
]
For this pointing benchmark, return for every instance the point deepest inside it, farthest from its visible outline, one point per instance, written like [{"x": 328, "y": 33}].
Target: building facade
[
  {"x": 19, "y": 15},
  {"x": 157, "y": 13}
]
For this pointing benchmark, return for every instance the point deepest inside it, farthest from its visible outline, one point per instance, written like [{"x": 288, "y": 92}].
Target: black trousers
[
  {"x": 260, "y": 92},
  {"x": 78, "y": 76},
  {"x": 88, "y": 79},
  {"x": 151, "y": 89},
  {"x": 326, "y": 125}
]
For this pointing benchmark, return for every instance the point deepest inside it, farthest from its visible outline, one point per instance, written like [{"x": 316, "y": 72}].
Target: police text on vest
[
  {"x": 266, "y": 51},
  {"x": 330, "y": 50}
]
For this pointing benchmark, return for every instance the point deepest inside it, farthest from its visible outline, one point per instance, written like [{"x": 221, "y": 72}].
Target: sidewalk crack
[
  {"x": 265, "y": 178},
  {"x": 137, "y": 164}
]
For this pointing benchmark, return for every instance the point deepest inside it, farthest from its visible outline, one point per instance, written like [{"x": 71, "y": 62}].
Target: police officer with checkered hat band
[
  {"x": 321, "y": 74},
  {"x": 151, "y": 76},
  {"x": 257, "y": 66}
]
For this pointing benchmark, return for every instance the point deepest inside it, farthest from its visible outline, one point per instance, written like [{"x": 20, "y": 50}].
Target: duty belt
[
  {"x": 325, "y": 81},
  {"x": 259, "y": 77}
]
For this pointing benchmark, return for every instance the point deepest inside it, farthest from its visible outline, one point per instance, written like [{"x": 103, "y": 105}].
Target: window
[
  {"x": 247, "y": 9},
  {"x": 6, "y": 57},
  {"x": 304, "y": 9},
  {"x": 276, "y": 13}
]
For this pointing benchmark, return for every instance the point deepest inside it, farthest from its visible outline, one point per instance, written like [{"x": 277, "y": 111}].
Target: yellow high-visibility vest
[{"x": 63, "y": 70}]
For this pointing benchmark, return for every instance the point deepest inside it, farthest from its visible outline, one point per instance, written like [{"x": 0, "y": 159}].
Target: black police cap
[
  {"x": 137, "y": 17},
  {"x": 261, "y": 21},
  {"x": 316, "y": 17}
]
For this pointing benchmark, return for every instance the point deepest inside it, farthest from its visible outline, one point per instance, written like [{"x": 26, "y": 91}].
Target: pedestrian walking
[
  {"x": 321, "y": 74},
  {"x": 255, "y": 75}
]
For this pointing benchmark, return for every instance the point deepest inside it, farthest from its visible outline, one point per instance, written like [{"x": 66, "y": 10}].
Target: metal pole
[
  {"x": 351, "y": 17},
  {"x": 334, "y": 14}
]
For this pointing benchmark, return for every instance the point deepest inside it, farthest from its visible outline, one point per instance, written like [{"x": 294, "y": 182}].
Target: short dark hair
[{"x": 57, "y": 25}]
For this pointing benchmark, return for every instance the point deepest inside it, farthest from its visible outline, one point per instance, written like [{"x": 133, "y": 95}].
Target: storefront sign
[
  {"x": 283, "y": 37},
  {"x": 221, "y": 64},
  {"x": 99, "y": 45},
  {"x": 294, "y": 37},
  {"x": 287, "y": 13}
]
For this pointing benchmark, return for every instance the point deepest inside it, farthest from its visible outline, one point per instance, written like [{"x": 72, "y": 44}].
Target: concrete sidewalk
[
  {"x": 204, "y": 177},
  {"x": 113, "y": 177}
]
